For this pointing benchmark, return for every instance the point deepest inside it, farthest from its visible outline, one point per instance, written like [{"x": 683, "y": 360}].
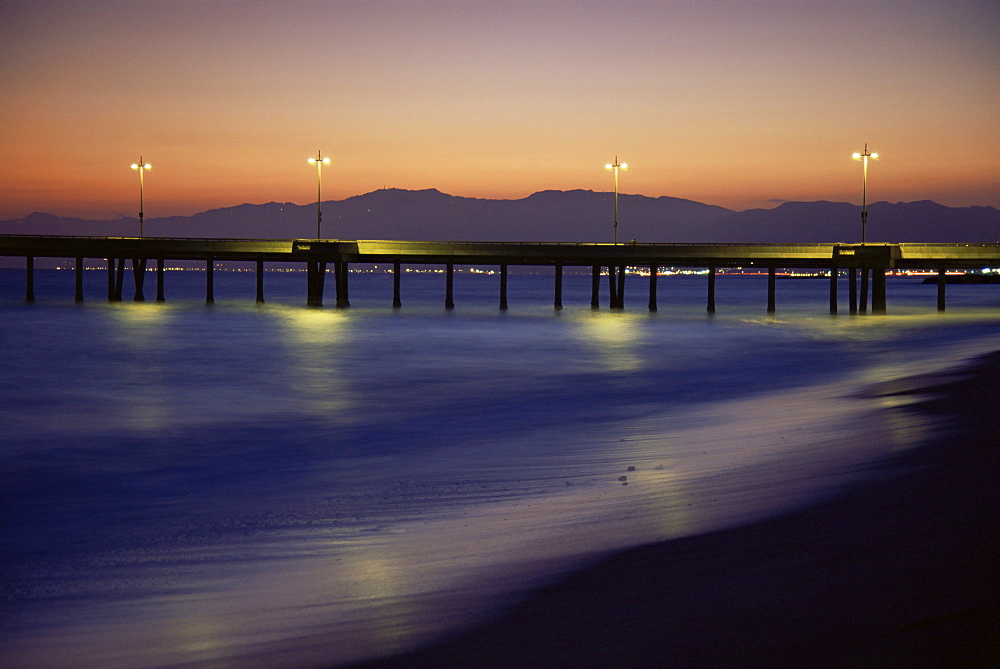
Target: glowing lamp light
[
  {"x": 615, "y": 166},
  {"x": 141, "y": 167},
  {"x": 863, "y": 157},
  {"x": 319, "y": 161}
]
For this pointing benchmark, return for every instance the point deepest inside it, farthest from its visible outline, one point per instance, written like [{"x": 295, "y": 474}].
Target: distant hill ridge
[{"x": 549, "y": 216}]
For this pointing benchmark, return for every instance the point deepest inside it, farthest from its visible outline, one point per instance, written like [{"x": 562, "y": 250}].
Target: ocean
[{"x": 242, "y": 484}]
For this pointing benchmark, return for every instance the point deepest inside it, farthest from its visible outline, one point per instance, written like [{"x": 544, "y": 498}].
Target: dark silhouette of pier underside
[{"x": 858, "y": 261}]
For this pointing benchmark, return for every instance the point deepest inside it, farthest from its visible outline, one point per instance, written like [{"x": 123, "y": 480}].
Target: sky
[{"x": 738, "y": 104}]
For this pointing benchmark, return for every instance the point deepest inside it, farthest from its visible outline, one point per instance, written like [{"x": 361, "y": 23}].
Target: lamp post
[
  {"x": 863, "y": 157},
  {"x": 615, "y": 166},
  {"x": 141, "y": 167},
  {"x": 319, "y": 161}
]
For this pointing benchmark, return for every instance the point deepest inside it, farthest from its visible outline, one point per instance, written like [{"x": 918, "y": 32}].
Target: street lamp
[
  {"x": 863, "y": 157},
  {"x": 615, "y": 166},
  {"x": 319, "y": 161},
  {"x": 141, "y": 167}
]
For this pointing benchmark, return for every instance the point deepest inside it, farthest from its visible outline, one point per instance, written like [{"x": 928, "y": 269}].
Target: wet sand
[{"x": 902, "y": 571}]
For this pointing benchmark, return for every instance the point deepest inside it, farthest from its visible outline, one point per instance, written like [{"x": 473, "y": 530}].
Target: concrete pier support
[
  {"x": 159, "y": 281},
  {"x": 863, "y": 296},
  {"x": 711, "y": 290},
  {"x": 397, "y": 301},
  {"x": 79, "y": 279},
  {"x": 119, "y": 281},
  {"x": 340, "y": 274},
  {"x": 833, "y": 288},
  {"x": 557, "y": 299},
  {"x": 852, "y": 287},
  {"x": 260, "y": 282},
  {"x": 311, "y": 297},
  {"x": 878, "y": 290},
  {"x": 616, "y": 286},
  {"x": 653, "y": 269},
  {"x": 941, "y": 283},
  {"x": 449, "y": 286},
  {"x": 111, "y": 280},
  {"x": 139, "y": 276},
  {"x": 595, "y": 287},
  {"x": 503, "y": 286},
  {"x": 621, "y": 287},
  {"x": 311, "y": 284},
  {"x": 770, "y": 290},
  {"x": 315, "y": 275},
  {"x": 29, "y": 279},
  {"x": 612, "y": 288},
  {"x": 210, "y": 281}
]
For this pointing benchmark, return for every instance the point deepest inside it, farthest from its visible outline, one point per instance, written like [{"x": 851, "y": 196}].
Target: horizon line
[{"x": 777, "y": 203}]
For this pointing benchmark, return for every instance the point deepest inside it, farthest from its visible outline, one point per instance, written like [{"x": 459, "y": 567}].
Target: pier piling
[
  {"x": 770, "y": 289},
  {"x": 595, "y": 287},
  {"x": 260, "y": 281},
  {"x": 341, "y": 271},
  {"x": 79, "y": 279},
  {"x": 29, "y": 279},
  {"x": 209, "y": 281},
  {"x": 160, "y": 297},
  {"x": 852, "y": 287},
  {"x": 119, "y": 279},
  {"x": 941, "y": 282},
  {"x": 863, "y": 296},
  {"x": 621, "y": 287},
  {"x": 449, "y": 286},
  {"x": 503, "y": 286},
  {"x": 111, "y": 279},
  {"x": 557, "y": 300},
  {"x": 653, "y": 269},
  {"x": 878, "y": 290},
  {"x": 612, "y": 288},
  {"x": 711, "y": 289},
  {"x": 833, "y": 287},
  {"x": 139, "y": 277},
  {"x": 315, "y": 279},
  {"x": 396, "y": 297}
]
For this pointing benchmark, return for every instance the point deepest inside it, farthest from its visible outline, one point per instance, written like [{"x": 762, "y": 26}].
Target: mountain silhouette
[{"x": 548, "y": 216}]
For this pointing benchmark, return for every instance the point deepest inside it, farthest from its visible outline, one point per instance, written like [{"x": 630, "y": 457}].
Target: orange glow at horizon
[{"x": 741, "y": 105}]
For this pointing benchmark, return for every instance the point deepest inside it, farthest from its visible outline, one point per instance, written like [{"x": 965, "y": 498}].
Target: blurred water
[{"x": 238, "y": 484}]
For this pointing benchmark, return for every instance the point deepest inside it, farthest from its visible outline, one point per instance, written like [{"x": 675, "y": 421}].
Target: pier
[{"x": 864, "y": 264}]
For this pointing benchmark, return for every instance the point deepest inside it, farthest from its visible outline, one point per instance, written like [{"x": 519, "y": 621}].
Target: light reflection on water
[
  {"x": 190, "y": 483},
  {"x": 613, "y": 338},
  {"x": 316, "y": 345}
]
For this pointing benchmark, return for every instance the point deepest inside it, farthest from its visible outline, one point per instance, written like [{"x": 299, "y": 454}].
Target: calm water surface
[{"x": 237, "y": 484}]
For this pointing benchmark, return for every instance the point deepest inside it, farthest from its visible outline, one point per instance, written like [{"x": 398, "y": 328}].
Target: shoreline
[{"x": 897, "y": 571}]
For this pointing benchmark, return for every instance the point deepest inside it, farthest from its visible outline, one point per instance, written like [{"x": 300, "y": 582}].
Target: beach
[{"x": 898, "y": 571}]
